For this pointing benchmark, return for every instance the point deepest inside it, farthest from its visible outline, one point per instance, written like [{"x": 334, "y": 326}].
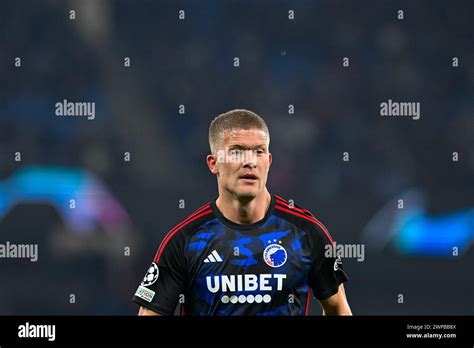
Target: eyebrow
[{"x": 241, "y": 147}]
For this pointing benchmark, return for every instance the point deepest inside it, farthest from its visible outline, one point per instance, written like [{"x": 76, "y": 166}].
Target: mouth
[{"x": 250, "y": 178}]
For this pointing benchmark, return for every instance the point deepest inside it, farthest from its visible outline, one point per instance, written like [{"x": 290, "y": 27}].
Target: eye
[{"x": 235, "y": 152}]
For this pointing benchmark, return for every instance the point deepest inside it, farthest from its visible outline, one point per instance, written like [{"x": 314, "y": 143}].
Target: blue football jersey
[{"x": 213, "y": 266}]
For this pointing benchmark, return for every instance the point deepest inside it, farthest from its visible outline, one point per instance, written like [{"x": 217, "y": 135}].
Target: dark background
[{"x": 190, "y": 62}]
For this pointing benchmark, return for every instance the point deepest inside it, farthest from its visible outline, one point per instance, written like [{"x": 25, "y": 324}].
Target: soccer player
[{"x": 248, "y": 252}]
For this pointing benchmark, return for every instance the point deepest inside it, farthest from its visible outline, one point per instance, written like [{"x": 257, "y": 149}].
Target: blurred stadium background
[{"x": 189, "y": 62}]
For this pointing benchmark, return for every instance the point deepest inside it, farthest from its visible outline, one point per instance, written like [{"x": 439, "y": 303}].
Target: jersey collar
[{"x": 232, "y": 224}]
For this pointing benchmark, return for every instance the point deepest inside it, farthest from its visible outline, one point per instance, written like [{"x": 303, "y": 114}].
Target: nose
[
  {"x": 250, "y": 165},
  {"x": 250, "y": 160}
]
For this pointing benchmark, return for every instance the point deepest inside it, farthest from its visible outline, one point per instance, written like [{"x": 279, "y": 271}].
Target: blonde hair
[{"x": 234, "y": 119}]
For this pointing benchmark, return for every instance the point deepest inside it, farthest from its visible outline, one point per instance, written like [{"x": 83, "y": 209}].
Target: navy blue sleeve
[
  {"x": 164, "y": 281},
  {"x": 327, "y": 272}
]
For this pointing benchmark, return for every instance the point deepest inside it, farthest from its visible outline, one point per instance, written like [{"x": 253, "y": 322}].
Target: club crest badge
[{"x": 274, "y": 254}]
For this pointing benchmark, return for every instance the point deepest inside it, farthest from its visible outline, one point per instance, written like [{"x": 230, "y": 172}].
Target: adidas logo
[{"x": 213, "y": 257}]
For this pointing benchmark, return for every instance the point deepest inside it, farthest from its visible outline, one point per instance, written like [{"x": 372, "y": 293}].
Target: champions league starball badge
[
  {"x": 274, "y": 254},
  {"x": 151, "y": 275}
]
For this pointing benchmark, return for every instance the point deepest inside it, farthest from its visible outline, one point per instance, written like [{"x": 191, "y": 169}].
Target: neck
[{"x": 244, "y": 212}]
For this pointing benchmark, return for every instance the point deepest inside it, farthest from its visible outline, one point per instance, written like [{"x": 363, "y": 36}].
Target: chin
[{"x": 247, "y": 195}]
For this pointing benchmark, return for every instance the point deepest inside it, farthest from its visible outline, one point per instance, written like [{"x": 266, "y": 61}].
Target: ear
[
  {"x": 269, "y": 159},
  {"x": 212, "y": 164}
]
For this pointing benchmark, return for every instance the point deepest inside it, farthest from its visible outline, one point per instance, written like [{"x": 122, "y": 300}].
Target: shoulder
[
  {"x": 302, "y": 218},
  {"x": 179, "y": 233}
]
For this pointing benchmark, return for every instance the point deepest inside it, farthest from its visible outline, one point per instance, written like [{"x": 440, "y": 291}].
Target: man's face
[{"x": 241, "y": 162}]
